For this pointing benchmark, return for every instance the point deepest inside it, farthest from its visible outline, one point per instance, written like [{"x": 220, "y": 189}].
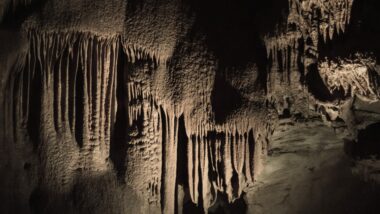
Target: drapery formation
[
  {"x": 65, "y": 102},
  {"x": 136, "y": 99}
]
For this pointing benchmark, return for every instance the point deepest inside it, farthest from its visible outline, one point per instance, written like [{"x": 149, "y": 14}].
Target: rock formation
[{"x": 170, "y": 106}]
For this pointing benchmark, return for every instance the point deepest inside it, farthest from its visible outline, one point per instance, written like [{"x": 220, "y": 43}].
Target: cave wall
[{"x": 169, "y": 106}]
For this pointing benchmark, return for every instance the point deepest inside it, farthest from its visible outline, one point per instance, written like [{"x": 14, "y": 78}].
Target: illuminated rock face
[{"x": 169, "y": 106}]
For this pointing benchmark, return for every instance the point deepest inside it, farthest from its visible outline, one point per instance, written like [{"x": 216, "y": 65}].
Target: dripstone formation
[{"x": 189, "y": 106}]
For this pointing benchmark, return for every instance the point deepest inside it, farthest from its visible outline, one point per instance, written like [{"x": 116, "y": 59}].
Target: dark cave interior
[{"x": 189, "y": 106}]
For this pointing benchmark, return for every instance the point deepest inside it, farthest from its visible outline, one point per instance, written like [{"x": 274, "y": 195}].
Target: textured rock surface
[
  {"x": 169, "y": 106},
  {"x": 308, "y": 172}
]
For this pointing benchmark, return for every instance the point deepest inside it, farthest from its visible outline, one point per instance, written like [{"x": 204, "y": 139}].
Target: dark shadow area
[
  {"x": 224, "y": 99},
  {"x": 317, "y": 87},
  {"x": 182, "y": 165},
  {"x": 34, "y": 119},
  {"x": 233, "y": 28},
  {"x": 119, "y": 139},
  {"x": 38, "y": 201},
  {"x": 73, "y": 84},
  {"x": 362, "y": 34},
  {"x": 17, "y": 13},
  {"x": 79, "y": 107},
  {"x": 190, "y": 208},
  {"x": 222, "y": 206},
  {"x": 368, "y": 144},
  {"x": 182, "y": 176},
  {"x": 164, "y": 126}
]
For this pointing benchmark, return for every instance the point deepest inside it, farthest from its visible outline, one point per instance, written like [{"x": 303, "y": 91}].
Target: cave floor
[{"x": 307, "y": 171}]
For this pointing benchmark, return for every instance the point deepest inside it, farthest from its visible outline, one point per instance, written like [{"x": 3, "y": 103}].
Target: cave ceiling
[{"x": 189, "y": 106}]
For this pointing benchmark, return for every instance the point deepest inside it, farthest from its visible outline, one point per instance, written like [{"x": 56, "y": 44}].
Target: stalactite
[
  {"x": 229, "y": 155},
  {"x": 78, "y": 108},
  {"x": 78, "y": 72},
  {"x": 228, "y": 169},
  {"x": 249, "y": 144},
  {"x": 138, "y": 53},
  {"x": 307, "y": 23},
  {"x": 286, "y": 45},
  {"x": 64, "y": 62},
  {"x": 312, "y": 18},
  {"x": 354, "y": 75},
  {"x": 192, "y": 170},
  {"x": 170, "y": 143}
]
